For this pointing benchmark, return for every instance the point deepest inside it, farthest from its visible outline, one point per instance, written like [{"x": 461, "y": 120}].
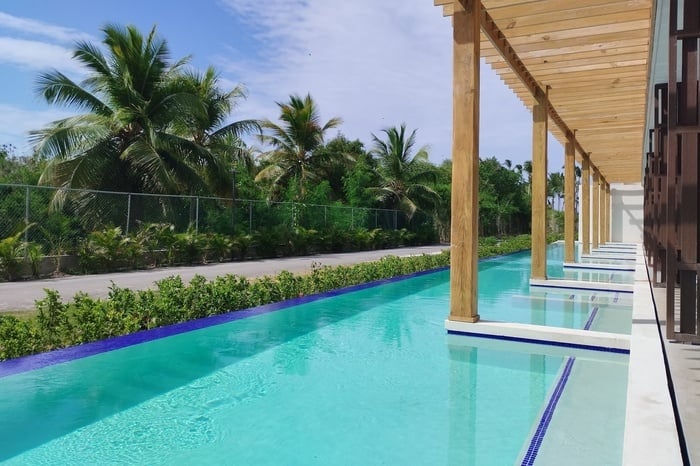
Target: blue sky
[{"x": 373, "y": 63}]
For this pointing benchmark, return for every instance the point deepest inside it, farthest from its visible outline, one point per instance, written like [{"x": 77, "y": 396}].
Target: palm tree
[
  {"x": 555, "y": 188},
  {"x": 404, "y": 176},
  {"x": 127, "y": 140},
  {"x": 294, "y": 143},
  {"x": 209, "y": 129}
]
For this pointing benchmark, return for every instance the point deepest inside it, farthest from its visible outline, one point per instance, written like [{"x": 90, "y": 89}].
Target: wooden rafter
[{"x": 594, "y": 57}]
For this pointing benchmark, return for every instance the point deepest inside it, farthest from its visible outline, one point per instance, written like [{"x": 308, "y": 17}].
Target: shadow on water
[{"x": 40, "y": 405}]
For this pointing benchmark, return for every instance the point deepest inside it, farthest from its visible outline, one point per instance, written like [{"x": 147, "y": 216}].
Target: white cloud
[
  {"x": 40, "y": 28},
  {"x": 375, "y": 64},
  {"x": 16, "y": 123},
  {"x": 37, "y": 55}
]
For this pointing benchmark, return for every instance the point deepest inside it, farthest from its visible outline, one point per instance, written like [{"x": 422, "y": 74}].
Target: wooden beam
[
  {"x": 569, "y": 195},
  {"x": 595, "y": 212},
  {"x": 585, "y": 216},
  {"x": 499, "y": 41},
  {"x": 539, "y": 187},
  {"x": 465, "y": 162}
]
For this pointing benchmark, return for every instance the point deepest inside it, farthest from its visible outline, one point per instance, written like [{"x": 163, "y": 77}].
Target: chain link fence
[{"x": 60, "y": 218}]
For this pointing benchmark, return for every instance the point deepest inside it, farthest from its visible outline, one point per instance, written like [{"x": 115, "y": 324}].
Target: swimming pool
[{"x": 367, "y": 377}]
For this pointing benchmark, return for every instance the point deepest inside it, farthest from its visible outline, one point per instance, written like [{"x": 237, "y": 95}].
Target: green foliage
[
  {"x": 503, "y": 200},
  {"x": 19, "y": 170},
  {"x": 14, "y": 250}
]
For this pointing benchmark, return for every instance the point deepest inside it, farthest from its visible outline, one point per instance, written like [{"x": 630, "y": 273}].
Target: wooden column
[
  {"x": 603, "y": 211},
  {"x": 465, "y": 162},
  {"x": 595, "y": 211},
  {"x": 569, "y": 195},
  {"x": 585, "y": 216},
  {"x": 608, "y": 214},
  {"x": 539, "y": 187}
]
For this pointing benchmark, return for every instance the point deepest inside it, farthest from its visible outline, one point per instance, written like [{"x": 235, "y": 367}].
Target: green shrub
[{"x": 12, "y": 251}]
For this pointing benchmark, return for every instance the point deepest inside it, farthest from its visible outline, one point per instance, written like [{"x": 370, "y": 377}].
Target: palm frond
[{"x": 58, "y": 88}]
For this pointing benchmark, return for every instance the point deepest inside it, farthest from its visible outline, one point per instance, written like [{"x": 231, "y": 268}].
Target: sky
[{"x": 375, "y": 64}]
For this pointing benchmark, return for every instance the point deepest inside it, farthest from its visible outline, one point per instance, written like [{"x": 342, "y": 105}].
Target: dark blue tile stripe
[
  {"x": 559, "y": 287},
  {"x": 542, "y": 426},
  {"x": 37, "y": 361},
  {"x": 589, "y": 322},
  {"x": 595, "y": 268},
  {"x": 603, "y": 349}
]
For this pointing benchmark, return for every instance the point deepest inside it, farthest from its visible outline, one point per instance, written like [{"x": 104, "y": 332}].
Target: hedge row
[{"x": 86, "y": 319}]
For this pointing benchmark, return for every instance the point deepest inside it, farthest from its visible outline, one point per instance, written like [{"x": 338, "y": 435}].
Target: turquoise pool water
[
  {"x": 367, "y": 377},
  {"x": 505, "y": 295}
]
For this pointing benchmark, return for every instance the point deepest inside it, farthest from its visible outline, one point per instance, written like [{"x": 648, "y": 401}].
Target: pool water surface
[{"x": 365, "y": 377}]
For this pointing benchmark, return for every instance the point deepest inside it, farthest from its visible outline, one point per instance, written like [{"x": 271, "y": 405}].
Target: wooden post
[
  {"x": 608, "y": 214},
  {"x": 465, "y": 162},
  {"x": 569, "y": 187},
  {"x": 595, "y": 211},
  {"x": 603, "y": 211},
  {"x": 585, "y": 216},
  {"x": 539, "y": 187}
]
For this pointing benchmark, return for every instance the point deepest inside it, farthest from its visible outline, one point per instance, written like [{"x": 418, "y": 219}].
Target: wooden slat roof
[{"x": 594, "y": 55}]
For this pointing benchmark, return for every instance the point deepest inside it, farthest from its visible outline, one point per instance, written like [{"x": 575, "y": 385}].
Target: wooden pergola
[{"x": 583, "y": 68}]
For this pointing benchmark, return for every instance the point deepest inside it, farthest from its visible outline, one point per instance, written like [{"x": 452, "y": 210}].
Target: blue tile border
[
  {"x": 37, "y": 361},
  {"x": 542, "y": 426},
  {"x": 579, "y": 288},
  {"x": 562, "y": 344},
  {"x": 589, "y": 322}
]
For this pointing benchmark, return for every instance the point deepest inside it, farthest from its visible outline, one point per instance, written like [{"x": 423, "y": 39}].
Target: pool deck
[
  {"x": 20, "y": 296},
  {"x": 684, "y": 367}
]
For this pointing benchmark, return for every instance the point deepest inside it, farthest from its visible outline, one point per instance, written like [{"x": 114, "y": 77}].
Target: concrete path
[{"x": 17, "y": 296}]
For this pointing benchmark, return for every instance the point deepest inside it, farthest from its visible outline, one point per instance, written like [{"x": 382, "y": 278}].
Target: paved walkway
[{"x": 17, "y": 296}]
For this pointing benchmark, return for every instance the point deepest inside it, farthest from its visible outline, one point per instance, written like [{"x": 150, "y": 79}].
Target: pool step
[
  {"x": 595, "y": 266},
  {"x": 616, "y": 257},
  {"x": 582, "y": 285},
  {"x": 540, "y": 334}
]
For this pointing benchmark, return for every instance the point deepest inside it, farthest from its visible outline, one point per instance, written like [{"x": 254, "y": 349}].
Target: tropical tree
[
  {"x": 294, "y": 157},
  {"x": 502, "y": 197},
  {"x": 405, "y": 178},
  {"x": 555, "y": 188},
  {"x": 338, "y": 157},
  {"x": 210, "y": 128},
  {"x": 128, "y": 138}
]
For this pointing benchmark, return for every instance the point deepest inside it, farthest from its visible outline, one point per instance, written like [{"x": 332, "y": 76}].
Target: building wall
[
  {"x": 627, "y": 220},
  {"x": 627, "y": 223}
]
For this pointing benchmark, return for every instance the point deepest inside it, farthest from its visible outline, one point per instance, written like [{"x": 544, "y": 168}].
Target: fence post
[
  {"x": 26, "y": 217},
  {"x": 396, "y": 220},
  {"x": 128, "y": 213},
  {"x": 250, "y": 217},
  {"x": 376, "y": 218},
  {"x": 325, "y": 216},
  {"x": 352, "y": 218},
  {"x": 196, "y": 215}
]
